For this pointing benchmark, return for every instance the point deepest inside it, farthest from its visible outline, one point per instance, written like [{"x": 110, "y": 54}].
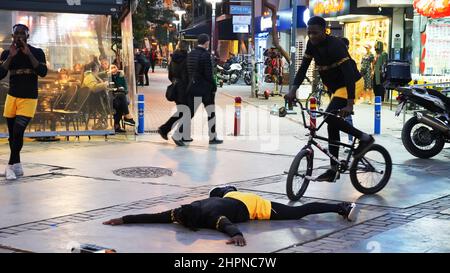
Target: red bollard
[
  {"x": 237, "y": 116},
  {"x": 312, "y": 116}
]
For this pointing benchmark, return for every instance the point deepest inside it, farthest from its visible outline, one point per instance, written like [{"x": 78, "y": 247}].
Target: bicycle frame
[{"x": 312, "y": 136}]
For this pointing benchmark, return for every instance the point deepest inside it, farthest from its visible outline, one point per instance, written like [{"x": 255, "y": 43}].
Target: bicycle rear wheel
[
  {"x": 301, "y": 167},
  {"x": 371, "y": 172}
]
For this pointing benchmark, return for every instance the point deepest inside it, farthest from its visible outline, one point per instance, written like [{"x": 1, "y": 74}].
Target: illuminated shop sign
[
  {"x": 236, "y": 10},
  {"x": 329, "y": 8},
  {"x": 432, "y": 8}
]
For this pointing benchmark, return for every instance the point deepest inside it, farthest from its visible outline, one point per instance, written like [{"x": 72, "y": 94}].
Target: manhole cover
[{"x": 143, "y": 172}]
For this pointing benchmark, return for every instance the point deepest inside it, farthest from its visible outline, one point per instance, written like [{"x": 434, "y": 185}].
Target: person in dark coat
[
  {"x": 143, "y": 67},
  {"x": 202, "y": 83},
  {"x": 152, "y": 57},
  {"x": 178, "y": 73},
  {"x": 226, "y": 206}
]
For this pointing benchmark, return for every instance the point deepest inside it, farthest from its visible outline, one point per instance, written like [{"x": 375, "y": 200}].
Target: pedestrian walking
[{"x": 202, "y": 84}]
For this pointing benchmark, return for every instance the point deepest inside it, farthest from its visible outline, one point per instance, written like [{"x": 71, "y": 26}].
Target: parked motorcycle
[
  {"x": 230, "y": 74},
  {"x": 425, "y": 134}
]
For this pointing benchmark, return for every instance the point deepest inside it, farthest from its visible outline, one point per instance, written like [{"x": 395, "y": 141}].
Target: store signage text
[
  {"x": 73, "y": 2},
  {"x": 244, "y": 10},
  {"x": 266, "y": 23},
  {"x": 240, "y": 28},
  {"x": 329, "y": 8},
  {"x": 242, "y": 20}
]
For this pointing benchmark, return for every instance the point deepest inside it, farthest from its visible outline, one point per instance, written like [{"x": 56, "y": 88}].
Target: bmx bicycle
[{"x": 369, "y": 173}]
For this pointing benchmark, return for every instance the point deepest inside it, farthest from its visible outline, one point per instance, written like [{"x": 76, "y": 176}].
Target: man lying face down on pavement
[{"x": 226, "y": 206}]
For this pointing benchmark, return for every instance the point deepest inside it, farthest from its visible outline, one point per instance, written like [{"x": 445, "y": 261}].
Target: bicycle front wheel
[
  {"x": 297, "y": 180},
  {"x": 371, "y": 172}
]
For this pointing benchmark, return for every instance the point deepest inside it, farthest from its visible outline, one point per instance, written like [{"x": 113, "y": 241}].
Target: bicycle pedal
[{"x": 314, "y": 179}]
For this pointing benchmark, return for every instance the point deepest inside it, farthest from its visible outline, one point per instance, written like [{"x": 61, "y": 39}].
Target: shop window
[
  {"x": 363, "y": 33},
  {"x": 437, "y": 47}
]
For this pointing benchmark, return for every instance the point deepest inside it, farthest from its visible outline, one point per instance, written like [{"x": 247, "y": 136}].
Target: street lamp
[{"x": 213, "y": 19}]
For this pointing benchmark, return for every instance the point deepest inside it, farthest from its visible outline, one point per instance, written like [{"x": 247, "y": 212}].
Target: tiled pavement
[{"x": 337, "y": 241}]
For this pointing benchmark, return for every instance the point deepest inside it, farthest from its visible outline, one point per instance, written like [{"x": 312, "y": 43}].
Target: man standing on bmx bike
[{"x": 342, "y": 78}]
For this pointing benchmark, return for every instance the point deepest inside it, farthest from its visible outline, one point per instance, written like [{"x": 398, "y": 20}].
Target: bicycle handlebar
[{"x": 319, "y": 113}]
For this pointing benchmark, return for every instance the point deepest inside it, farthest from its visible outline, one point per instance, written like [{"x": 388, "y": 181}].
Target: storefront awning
[
  {"x": 107, "y": 7},
  {"x": 193, "y": 31}
]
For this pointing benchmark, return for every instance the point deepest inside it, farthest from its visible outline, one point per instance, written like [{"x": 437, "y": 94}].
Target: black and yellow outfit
[
  {"x": 337, "y": 69},
  {"x": 23, "y": 82},
  {"x": 341, "y": 77},
  {"x": 21, "y": 101},
  {"x": 235, "y": 207}
]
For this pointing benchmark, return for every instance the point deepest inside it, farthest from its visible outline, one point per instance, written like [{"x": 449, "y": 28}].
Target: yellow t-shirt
[{"x": 258, "y": 207}]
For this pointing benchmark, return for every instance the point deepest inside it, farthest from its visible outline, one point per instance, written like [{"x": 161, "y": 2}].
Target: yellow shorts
[
  {"x": 19, "y": 107},
  {"x": 342, "y": 92}
]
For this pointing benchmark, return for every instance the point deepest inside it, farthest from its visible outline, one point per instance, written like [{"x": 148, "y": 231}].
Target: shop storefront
[
  {"x": 263, "y": 33},
  {"x": 366, "y": 33},
  {"x": 363, "y": 26},
  {"x": 72, "y": 35},
  {"x": 431, "y": 51}
]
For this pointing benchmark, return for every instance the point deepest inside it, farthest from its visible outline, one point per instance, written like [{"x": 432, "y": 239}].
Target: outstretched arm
[
  {"x": 162, "y": 217},
  {"x": 224, "y": 225}
]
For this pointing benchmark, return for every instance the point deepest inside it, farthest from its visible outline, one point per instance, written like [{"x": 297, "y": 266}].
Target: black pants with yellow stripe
[
  {"x": 335, "y": 125},
  {"x": 284, "y": 212}
]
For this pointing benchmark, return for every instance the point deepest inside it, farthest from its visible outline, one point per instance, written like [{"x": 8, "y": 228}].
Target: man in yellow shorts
[
  {"x": 24, "y": 64},
  {"x": 226, "y": 206},
  {"x": 342, "y": 78}
]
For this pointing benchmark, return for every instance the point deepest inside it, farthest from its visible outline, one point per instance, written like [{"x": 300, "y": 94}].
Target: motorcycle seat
[{"x": 434, "y": 93}]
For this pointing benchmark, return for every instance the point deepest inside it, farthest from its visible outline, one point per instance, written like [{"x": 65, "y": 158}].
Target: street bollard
[
  {"x": 377, "y": 127},
  {"x": 141, "y": 103},
  {"x": 237, "y": 116},
  {"x": 312, "y": 116}
]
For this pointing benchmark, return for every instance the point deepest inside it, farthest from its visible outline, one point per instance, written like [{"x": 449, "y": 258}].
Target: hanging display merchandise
[
  {"x": 432, "y": 8},
  {"x": 273, "y": 72},
  {"x": 366, "y": 33}
]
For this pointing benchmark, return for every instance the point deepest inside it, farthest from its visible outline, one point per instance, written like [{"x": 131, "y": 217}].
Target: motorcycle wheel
[
  {"x": 234, "y": 78},
  {"x": 420, "y": 141}
]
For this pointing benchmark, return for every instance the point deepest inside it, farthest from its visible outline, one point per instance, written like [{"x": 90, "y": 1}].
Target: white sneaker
[
  {"x": 9, "y": 173},
  {"x": 18, "y": 169}
]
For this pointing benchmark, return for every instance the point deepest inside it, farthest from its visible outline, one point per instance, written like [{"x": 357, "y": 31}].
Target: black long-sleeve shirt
[
  {"x": 216, "y": 213},
  {"x": 336, "y": 68},
  {"x": 24, "y": 85}
]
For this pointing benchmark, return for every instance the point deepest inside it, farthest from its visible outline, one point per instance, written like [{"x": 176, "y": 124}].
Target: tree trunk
[{"x": 275, "y": 40}]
